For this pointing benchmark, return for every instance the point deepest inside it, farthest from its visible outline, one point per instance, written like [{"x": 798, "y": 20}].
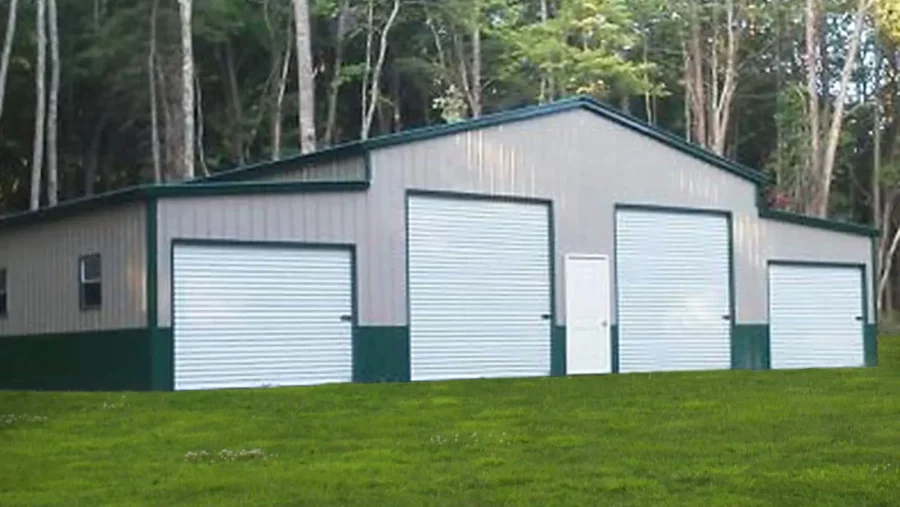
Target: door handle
[
  {"x": 726, "y": 317},
  {"x": 603, "y": 323},
  {"x": 859, "y": 318},
  {"x": 346, "y": 318},
  {"x": 545, "y": 316}
]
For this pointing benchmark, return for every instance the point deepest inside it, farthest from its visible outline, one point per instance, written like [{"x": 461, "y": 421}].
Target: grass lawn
[{"x": 828, "y": 437}]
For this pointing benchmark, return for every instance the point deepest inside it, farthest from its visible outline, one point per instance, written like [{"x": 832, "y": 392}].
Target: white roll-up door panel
[
  {"x": 673, "y": 276},
  {"x": 479, "y": 288},
  {"x": 815, "y": 316},
  {"x": 254, "y": 316}
]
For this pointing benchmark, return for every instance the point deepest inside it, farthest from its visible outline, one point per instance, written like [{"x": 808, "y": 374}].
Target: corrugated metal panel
[
  {"x": 341, "y": 169},
  {"x": 791, "y": 242},
  {"x": 42, "y": 270},
  {"x": 479, "y": 282},
  {"x": 253, "y": 316},
  {"x": 583, "y": 163},
  {"x": 673, "y": 273},
  {"x": 815, "y": 316}
]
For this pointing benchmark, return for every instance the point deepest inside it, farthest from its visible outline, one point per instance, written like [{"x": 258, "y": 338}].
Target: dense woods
[{"x": 100, "y": 94}]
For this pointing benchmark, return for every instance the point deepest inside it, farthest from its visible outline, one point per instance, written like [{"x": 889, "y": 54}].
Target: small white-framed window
[{"x": 90, "y": 278}]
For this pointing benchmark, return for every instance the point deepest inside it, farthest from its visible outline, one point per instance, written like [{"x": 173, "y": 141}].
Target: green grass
[{"x": 827, "y": 437}]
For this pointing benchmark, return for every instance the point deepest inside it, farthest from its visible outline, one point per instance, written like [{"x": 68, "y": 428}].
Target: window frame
[{"x": 83, "y": 282}]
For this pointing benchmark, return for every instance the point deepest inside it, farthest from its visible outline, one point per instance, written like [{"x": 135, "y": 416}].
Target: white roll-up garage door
[
  {"x": 253, "y": 316},
  {"x": 673, "y": 276},
  {"x": 815, "y": 316},
  {"x": 479, "y": 288}
]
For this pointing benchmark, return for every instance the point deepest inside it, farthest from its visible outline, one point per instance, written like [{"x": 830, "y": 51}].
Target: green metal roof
[{"x": 231, "y": 182}]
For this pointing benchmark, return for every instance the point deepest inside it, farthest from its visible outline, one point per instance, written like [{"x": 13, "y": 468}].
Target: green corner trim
[
  {"x": 750, "y": 347},
  {"x": 381, "y": 354},
  {"x": 161, "y": 359},
  {"x": 87, "y": 361}
]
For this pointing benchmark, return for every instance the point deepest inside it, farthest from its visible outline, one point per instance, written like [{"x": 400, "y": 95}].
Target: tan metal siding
[
  {"x": 791, "y": 242},
  {"x": 42, "y": 266},
  {"x": 342, "y": 169},
  {"x": 352, "y": 217},
  {"x": 584, "y": 163}
]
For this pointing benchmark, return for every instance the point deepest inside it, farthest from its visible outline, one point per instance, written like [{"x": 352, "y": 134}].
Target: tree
[
  {"x": 186, "y": 168},
  {"x": 152, "y": 64},
  {"x": 53, "y": 109},
  {"x": 372, "y": 77},
  {"x": 7, "y": 49},
  {"x": 40, "y": 108},
  {"x": 306, "y": 108},
  {"x": 824, "y": 150},
  {"x": 711, "y": 70}
]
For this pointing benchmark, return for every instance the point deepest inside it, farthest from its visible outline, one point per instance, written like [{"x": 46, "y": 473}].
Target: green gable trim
[
  {"x": 818, "y": 223},
  {"x": 750, "y": 347},
  {"x": 86, "y": 361},
  {"x": 262, "y": 169},
  {"x": 356, "y": 148},
  {"x": 175, "y": 190},
  {"x": 381, "y": 354}
]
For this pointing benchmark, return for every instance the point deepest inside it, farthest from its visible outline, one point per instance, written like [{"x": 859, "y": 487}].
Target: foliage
[
  {"x": 888, "y": 14},
  {"x": 717, "y": 438}
]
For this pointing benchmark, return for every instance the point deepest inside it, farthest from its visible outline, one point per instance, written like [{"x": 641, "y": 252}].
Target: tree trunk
[
  {"x": 154, "y": 112},
  {"x": 695, "y": 52},
  {"x": 37, "y": 155},
  {"x": 335, "y": 85},
  {"x": 7, "y": 49},
  {"x": 277, "y": 115},
  {"x": 812, "y": 73},
  {"x": 476, "y": 102},
  {"x": 306, "y": 109},
  {"x": 53, "y": 109},
  {"x": 837, "y": 117},
  {"x": 201, "y": 153},
  {"x": 376, "y": 71},
  {"x": 186, "y": 169},
  {"x": 545, "y": 80},
  {"x": 234, "y": 100},
  {"x": 367, "y": 70}
]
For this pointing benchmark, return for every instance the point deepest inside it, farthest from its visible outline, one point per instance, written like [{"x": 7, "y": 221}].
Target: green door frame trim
[
  {"x": 299, "y": 245},
  {"x": 866, "y": 314},
  {"x": 474, "y": 196},
  {"x": 727, "y": 214}
]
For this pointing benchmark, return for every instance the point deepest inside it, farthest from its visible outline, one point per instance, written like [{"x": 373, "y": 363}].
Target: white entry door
[{"x": 587, "y": 315}]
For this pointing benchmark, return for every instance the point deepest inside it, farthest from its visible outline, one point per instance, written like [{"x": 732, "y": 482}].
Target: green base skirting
[
  {"x": 750, "y": 347},
  {"x": 162, "y": 357},
  {"x": 90, "y": 361},
  {"x": 870, "y": 344},
  {"x": 381, "y": 354},
  {"x": 558, "y": 351}
]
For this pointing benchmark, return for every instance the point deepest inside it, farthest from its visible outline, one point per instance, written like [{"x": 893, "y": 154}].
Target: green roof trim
[
  {"x": 174, "y": 190},
  {"x": 361, "y": 147},
  {"x": 818, "y": 223}
]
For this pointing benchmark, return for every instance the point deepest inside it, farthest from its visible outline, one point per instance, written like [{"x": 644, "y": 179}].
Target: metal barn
[{"x": 552, "y": 240}]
